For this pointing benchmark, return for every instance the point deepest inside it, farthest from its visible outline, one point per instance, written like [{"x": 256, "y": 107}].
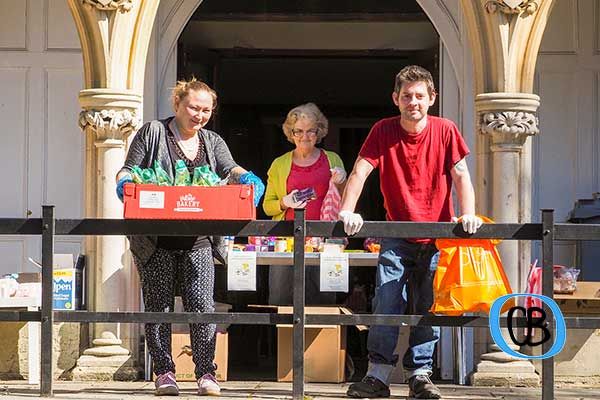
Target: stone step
[
  {"x": 499, "y": 357},
  {"x": 112, "y": 361},
  {"x": 106, "y": 351},
  {"x": 509, "y": 379},
  {"x": 515, "y": 367},
  {"x": 512, "y": 346},
  {"x": 106, "y": 373}
]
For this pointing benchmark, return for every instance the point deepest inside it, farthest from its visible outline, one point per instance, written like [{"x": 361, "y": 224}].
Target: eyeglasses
[{"x": 299, "y": 132}]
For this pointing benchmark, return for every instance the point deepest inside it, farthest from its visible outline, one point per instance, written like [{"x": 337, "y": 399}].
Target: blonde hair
[
  {"x": 309, "y": 111},
  {"x": 182, "y": 90}
]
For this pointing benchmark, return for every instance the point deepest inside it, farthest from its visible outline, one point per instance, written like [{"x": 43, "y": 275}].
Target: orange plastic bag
[{"x": 469, "y": 276}]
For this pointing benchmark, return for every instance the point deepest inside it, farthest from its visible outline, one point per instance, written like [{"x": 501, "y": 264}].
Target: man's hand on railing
[
  {"x": 352, "y": 222},
  {"x": 470, "y": 222}
]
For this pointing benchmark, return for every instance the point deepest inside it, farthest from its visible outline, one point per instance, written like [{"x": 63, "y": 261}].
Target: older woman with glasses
[{"x": 306, "y": 166}]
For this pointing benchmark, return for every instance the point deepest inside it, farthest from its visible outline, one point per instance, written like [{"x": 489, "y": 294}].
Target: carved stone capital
[
  {"x": 518, "y": 7},
  {"x": 508, "y": 118},
  {"x": 509, "y": 129},
  {"x": 110, "y": 5},
  {"x": 109, "y": 124},
  {"x": 109, "y": 114}
]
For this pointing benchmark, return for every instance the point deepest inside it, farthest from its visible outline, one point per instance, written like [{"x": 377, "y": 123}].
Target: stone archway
[
  {"x": 174, "y": 15},
  {"x": 503, "y": 37}
]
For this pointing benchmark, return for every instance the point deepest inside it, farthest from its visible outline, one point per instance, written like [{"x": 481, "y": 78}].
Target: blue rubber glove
[
  {"x": 259, "y": 187},
  {"x": 125, "y": 179}
]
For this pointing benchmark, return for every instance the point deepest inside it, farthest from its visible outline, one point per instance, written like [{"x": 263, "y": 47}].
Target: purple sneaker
[
  {"x": 208, "y": 386},
  {"x": 166, "y": 385}
]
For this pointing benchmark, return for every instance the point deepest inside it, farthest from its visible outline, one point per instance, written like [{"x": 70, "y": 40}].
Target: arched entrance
[
  {"x": 455, "y": 57},
  {"x": 446, "y": 55}
]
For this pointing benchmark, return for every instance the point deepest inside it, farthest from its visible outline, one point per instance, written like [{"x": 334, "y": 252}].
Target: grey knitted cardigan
[{"x": 149, "y": 144}]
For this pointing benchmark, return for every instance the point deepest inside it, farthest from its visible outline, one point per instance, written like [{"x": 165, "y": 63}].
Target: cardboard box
[
  {"x": 229, "y": 202},
  {"x": 324, "y": 348},
  {"x": 184, "y": 364},
  {"x": 585, "y": 299},
  {"x": 181, "y": 350},
  {"x": 184, "y": 328}
]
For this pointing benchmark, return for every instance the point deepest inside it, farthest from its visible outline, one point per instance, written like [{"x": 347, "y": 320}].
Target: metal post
[
  {"x": 459, "y": 355},
  {"x": 298, "y": 330},
  {"x": 548, "y": 290},
  {"x": 47, "y": 324}
]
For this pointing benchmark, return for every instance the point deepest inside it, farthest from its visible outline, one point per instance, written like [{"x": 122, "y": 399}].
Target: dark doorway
[
  {"x": 328, "y": 53},
  {"x": 257, "y": 89}
]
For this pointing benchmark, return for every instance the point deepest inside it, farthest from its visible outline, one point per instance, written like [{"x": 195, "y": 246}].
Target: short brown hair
[
  {"x": 182, "y": 89},
  {"x": 414, "y": 73}
]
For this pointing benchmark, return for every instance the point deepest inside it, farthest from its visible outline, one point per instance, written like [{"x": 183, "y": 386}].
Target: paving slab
[{"x": 273, "y": 390}]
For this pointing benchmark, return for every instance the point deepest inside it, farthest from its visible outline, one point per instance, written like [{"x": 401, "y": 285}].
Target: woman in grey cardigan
[{"x": 166, "y": 260}]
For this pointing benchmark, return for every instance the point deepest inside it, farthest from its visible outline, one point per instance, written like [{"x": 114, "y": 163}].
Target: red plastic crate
[{"x": 229, "y": 202}]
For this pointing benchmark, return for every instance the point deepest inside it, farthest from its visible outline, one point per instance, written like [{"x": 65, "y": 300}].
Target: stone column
[
  {"x": 114, "y": 36},
  {"x": 108, "y": 118},
  {"x": 507, "y": 119},
  {"x": 504, "y": 37}
]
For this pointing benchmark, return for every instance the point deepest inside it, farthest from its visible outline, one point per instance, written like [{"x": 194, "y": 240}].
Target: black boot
[
  {"x": 369, "y": 387},
  {"x": 421, "y": 387}
]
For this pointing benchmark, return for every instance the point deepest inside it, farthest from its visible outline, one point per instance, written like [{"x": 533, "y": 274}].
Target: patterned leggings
[{"x": 194, "y": 269}]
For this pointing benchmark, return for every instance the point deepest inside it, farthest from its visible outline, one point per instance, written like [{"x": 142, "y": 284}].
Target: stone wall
[{"x": 14, "y": 360}]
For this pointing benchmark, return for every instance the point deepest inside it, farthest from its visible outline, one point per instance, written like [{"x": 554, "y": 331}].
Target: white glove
[
  {"x": 470, "y": 222},
  {"x": 338, "y": 175},
  {"x": 352, "y": 222},
  {"x": 288, "y": 201}
]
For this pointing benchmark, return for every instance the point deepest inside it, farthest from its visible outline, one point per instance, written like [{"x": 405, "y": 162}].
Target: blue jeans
[{"x": 404, "y": 269}]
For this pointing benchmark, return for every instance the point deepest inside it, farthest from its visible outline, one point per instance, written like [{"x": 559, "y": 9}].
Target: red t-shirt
[
  {"x": 316, "y": 176},
  {"x": 414, "y": 170}
]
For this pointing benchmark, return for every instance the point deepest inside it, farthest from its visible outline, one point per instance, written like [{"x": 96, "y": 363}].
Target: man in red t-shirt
[{"x": 419, "y": 158}]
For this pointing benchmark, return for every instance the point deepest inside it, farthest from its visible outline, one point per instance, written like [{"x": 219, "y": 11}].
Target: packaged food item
[
  {"x": 203, "y": 176},
  {"x": 8, "y": 286},
  {"x": 303, "y": 195},
  {"x": 271, "y": 243},
  {"x": 255, "y": 240},
  {"x": 281, "y": 245},
  {"x": 314, "y": 242},
  {"x": 162, "y": 178},
  {"x": 290, "y": 243},
  {"x": 182, "y": 174},
  {"x": 565, "y": 279},
  {"x": 229, "y": 242},
  {"x": 198, "y": 179},
  {"x": 148, "y": 176},
  {"x": 136, "y": 173},
  {"x": 372, "y": 245}
]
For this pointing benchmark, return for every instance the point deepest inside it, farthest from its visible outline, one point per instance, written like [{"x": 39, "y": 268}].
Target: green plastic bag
[
  {"x": 136, "y": 173},
  {"x": 205, "y": 174},
  {"x": 182, "y": 175},
  {"x": 198, "y": 179},
  {"x": 162, "y": 178},
  {"x": 148, "y": 176}
]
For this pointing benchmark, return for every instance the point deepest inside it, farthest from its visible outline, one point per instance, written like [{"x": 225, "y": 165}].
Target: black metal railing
[{"x": 49, "y": 227}]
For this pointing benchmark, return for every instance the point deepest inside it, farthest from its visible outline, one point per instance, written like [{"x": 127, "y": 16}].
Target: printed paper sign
[
  {"x": 241, "y": 270},
  {"x": 334, "y": 272},
  {"x": 150, "y": 199}
]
